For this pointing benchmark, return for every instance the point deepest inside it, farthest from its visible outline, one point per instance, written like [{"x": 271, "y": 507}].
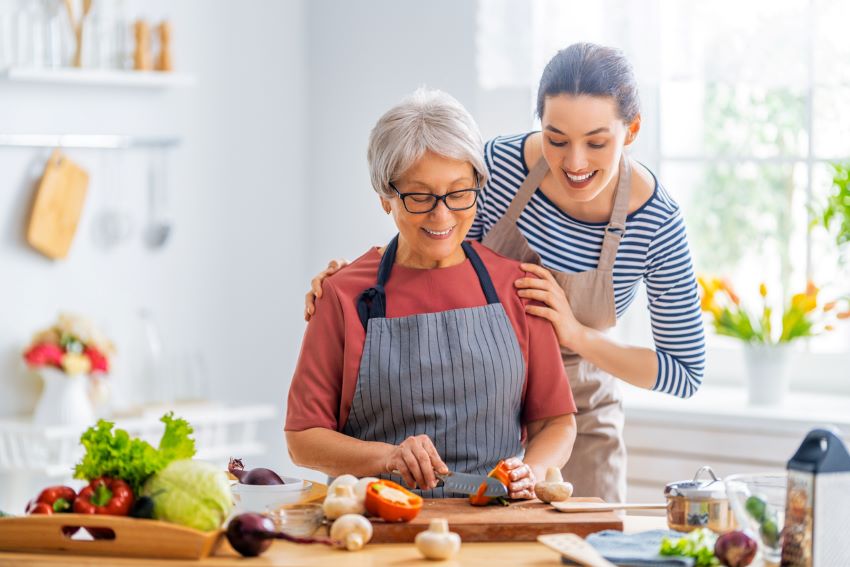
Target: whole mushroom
[
  {"x": 352, "y": 531},
  {"x": 554, "y": 488},
  {"x": 437, "y": 542}
]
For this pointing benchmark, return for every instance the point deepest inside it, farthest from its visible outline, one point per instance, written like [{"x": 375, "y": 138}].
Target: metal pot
[{"x": 696, "y": 503}]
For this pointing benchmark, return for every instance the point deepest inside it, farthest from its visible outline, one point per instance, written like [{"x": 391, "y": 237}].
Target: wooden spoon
[{"x": 575, "y": 549}]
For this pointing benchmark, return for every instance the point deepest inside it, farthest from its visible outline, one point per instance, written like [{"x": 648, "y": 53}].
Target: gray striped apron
[
  {"x": 455, "y": 376},
  {"x": 597, "y": 465}
]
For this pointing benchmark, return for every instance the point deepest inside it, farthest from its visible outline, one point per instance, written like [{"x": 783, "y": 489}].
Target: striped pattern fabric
[
  {"x": 456, "y": 376},
  {"x": 654, "y": 250}
]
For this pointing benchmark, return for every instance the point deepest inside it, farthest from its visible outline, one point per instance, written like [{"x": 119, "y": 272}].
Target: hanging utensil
[{"x": 158, "y": 228}]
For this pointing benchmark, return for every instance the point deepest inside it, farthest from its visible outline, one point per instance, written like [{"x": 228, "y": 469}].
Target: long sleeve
[{"x": 674, "y": 309}]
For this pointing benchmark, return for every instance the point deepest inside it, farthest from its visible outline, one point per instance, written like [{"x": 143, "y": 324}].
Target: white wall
[
  {"x": 230, "y": 281},
  {"x": 364, "y": 57}
]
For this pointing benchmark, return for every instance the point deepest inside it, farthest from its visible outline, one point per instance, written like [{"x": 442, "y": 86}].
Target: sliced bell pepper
[
  {"x": 499, "y": 472},
  {"x": 392, "y": 502}
]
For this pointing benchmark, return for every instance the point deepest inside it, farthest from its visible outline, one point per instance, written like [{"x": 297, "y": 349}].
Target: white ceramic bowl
[{"x": 268, "y": 497}]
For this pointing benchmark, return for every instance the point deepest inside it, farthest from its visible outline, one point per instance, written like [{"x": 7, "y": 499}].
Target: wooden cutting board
[
  {"x": 57, "y": 207},
  {"x": 520, "y": 521}
]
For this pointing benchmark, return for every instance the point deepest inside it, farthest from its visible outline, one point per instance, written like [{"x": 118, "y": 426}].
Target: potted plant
[
  {"x": 766, "y": 332},
  {"x": 73, "y": 358}
]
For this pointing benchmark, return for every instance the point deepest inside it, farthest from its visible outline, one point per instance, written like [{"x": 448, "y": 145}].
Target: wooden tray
[
  {"x": 133, "y": 537},
  {"x": 520, "y": 521}
]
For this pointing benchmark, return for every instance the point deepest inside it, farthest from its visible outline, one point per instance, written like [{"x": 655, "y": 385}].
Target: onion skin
[{"x": 735, "y": 549}]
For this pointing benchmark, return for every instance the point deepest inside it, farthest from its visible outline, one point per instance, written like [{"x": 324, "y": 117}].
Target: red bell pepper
[
  {"x": 53, "y": 498},
  {"x": 110, "y": 496}
]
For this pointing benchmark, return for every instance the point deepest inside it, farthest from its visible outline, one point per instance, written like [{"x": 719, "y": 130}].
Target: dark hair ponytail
[{"x": 590, "y": 69}]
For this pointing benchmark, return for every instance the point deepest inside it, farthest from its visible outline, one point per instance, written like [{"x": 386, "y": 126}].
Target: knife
[{"x": 465, "y": 483}]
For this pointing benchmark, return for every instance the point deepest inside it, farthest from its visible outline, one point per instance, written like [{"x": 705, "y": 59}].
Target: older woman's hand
[
  {"x": 522, "y": 479},
  {"x": 416, "y": 459},
  {"x": 556, "y": 307}
]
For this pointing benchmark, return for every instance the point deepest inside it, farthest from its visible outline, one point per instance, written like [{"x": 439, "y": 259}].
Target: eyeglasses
[{"x": 421, "y": 203}]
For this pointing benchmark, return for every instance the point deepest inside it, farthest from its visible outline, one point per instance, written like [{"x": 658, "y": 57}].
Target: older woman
[{"x": 421, "y": 357}]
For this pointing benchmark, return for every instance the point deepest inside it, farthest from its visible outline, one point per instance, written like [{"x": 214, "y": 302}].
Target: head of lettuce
[{"x": 190, "y": 493}]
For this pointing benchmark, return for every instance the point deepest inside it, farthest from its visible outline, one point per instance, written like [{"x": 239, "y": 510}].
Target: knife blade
[{"x": 465, "y": 483}]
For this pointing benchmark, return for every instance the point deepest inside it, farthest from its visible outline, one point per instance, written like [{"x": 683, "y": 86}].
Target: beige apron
[{"x": 597, "y": 466}]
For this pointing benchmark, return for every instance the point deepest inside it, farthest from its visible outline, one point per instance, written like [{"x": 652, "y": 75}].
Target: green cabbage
[{"x": 190, "y": 493}]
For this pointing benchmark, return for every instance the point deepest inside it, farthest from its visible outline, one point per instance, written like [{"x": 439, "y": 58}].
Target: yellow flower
[
  {"x": 828, "y": 328},
  {"x": 763, "y": 289},
  {"x": 804, "y": 302},
  {"x": 75, "y": 363}
]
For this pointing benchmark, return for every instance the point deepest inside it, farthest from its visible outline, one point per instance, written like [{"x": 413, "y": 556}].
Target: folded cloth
[{"x": 635, "y": 550}]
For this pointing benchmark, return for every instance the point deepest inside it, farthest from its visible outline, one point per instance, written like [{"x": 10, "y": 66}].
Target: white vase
[
  {"x": 767, "y": 373},
  {"x": 64, "y": 400}
]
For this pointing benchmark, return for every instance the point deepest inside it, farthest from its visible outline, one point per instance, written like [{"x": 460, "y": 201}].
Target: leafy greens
[{"x": 117, "y": 455}]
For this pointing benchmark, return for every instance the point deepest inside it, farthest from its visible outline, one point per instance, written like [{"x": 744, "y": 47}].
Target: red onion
[
  {"x": 253, "y": 476},
  {"x": 735, "y": 549},
  {"x": 251, "y": 534}
]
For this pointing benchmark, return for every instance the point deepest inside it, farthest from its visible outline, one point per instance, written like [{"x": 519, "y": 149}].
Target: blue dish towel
[{"x": 635, "y": 550}]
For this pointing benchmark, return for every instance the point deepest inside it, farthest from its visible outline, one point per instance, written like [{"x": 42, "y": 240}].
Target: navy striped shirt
[{"x": 654, "y": 249}]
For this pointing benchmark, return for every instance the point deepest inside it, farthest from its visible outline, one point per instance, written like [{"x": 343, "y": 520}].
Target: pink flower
[
  {"x": 99, "y": 363},
  {"x": 44, "y": 354}
]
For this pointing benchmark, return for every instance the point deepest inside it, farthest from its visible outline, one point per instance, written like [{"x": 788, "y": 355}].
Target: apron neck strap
[
  {"x": 372, "y": 302},
  {"x": 481, "y": 270},
  {"x": 526, "y": 190},
  {"x": 616, "y": 228}
]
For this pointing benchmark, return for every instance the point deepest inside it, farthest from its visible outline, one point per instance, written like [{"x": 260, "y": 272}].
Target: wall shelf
[
  {"x": 92, "y": 141},
  {"x": 97, "y": 77}
]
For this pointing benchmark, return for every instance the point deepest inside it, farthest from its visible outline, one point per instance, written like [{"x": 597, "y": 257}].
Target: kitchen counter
[{"x": 288, "y": 554}]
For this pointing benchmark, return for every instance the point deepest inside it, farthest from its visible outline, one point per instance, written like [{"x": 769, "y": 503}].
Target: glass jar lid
[{"x": 711, "y": 488}]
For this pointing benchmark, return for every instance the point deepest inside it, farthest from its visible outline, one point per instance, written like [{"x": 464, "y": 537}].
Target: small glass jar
[
  {"x": 300, "y": 520},
  {"x": 696, "y": 503}
]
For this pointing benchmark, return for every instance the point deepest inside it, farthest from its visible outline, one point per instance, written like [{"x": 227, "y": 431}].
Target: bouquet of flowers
[
  {"x": 802, "y": 316},
  {"x": 72, "y": 345}
]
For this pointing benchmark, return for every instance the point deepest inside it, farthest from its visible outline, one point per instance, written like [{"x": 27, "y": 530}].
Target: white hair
[{"x": 426, "y": 120}]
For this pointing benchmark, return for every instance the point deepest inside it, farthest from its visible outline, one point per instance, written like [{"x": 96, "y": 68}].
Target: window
[{"x": 744, "y": 107}]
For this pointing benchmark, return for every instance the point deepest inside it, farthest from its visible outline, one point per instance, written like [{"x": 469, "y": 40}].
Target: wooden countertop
[{"x": 286, "y": 554}]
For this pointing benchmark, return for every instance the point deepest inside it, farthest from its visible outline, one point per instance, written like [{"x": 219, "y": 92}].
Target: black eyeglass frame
[{"x": 437, "y": 198}]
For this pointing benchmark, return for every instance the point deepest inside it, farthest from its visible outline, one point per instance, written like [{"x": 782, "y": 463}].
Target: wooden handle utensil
[{"x": 569, "y": 506}]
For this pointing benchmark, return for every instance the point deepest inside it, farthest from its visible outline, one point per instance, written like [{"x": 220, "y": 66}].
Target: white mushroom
[
  {"x": 554, "y": 488},
  {"x": 343, "y": 479},
  {"x": 352, "y": 531},
  {"x": 342, "y": 501},
  {"x": 437, "y": 542},
  {"x": 360, "y": 487}
]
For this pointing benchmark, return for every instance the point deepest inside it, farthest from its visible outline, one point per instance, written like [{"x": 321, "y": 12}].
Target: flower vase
[
  {"x": 767, "y": 373},
  {"x": 64, "y": 400}
]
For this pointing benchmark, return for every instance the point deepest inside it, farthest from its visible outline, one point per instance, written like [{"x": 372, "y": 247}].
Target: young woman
[{"x": 592, "y": 223}]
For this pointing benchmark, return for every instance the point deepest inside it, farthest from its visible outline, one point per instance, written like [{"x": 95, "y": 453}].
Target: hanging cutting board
[
  {"x": 520, "y": 521},
  {"x": 58, "y": 204}
]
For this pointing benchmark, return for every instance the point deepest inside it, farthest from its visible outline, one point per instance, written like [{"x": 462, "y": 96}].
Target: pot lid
[{"x": 698, "y": 489}]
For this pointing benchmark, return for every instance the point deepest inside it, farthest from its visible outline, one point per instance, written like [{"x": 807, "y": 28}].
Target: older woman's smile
[{"x": 438, "y": 234}]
